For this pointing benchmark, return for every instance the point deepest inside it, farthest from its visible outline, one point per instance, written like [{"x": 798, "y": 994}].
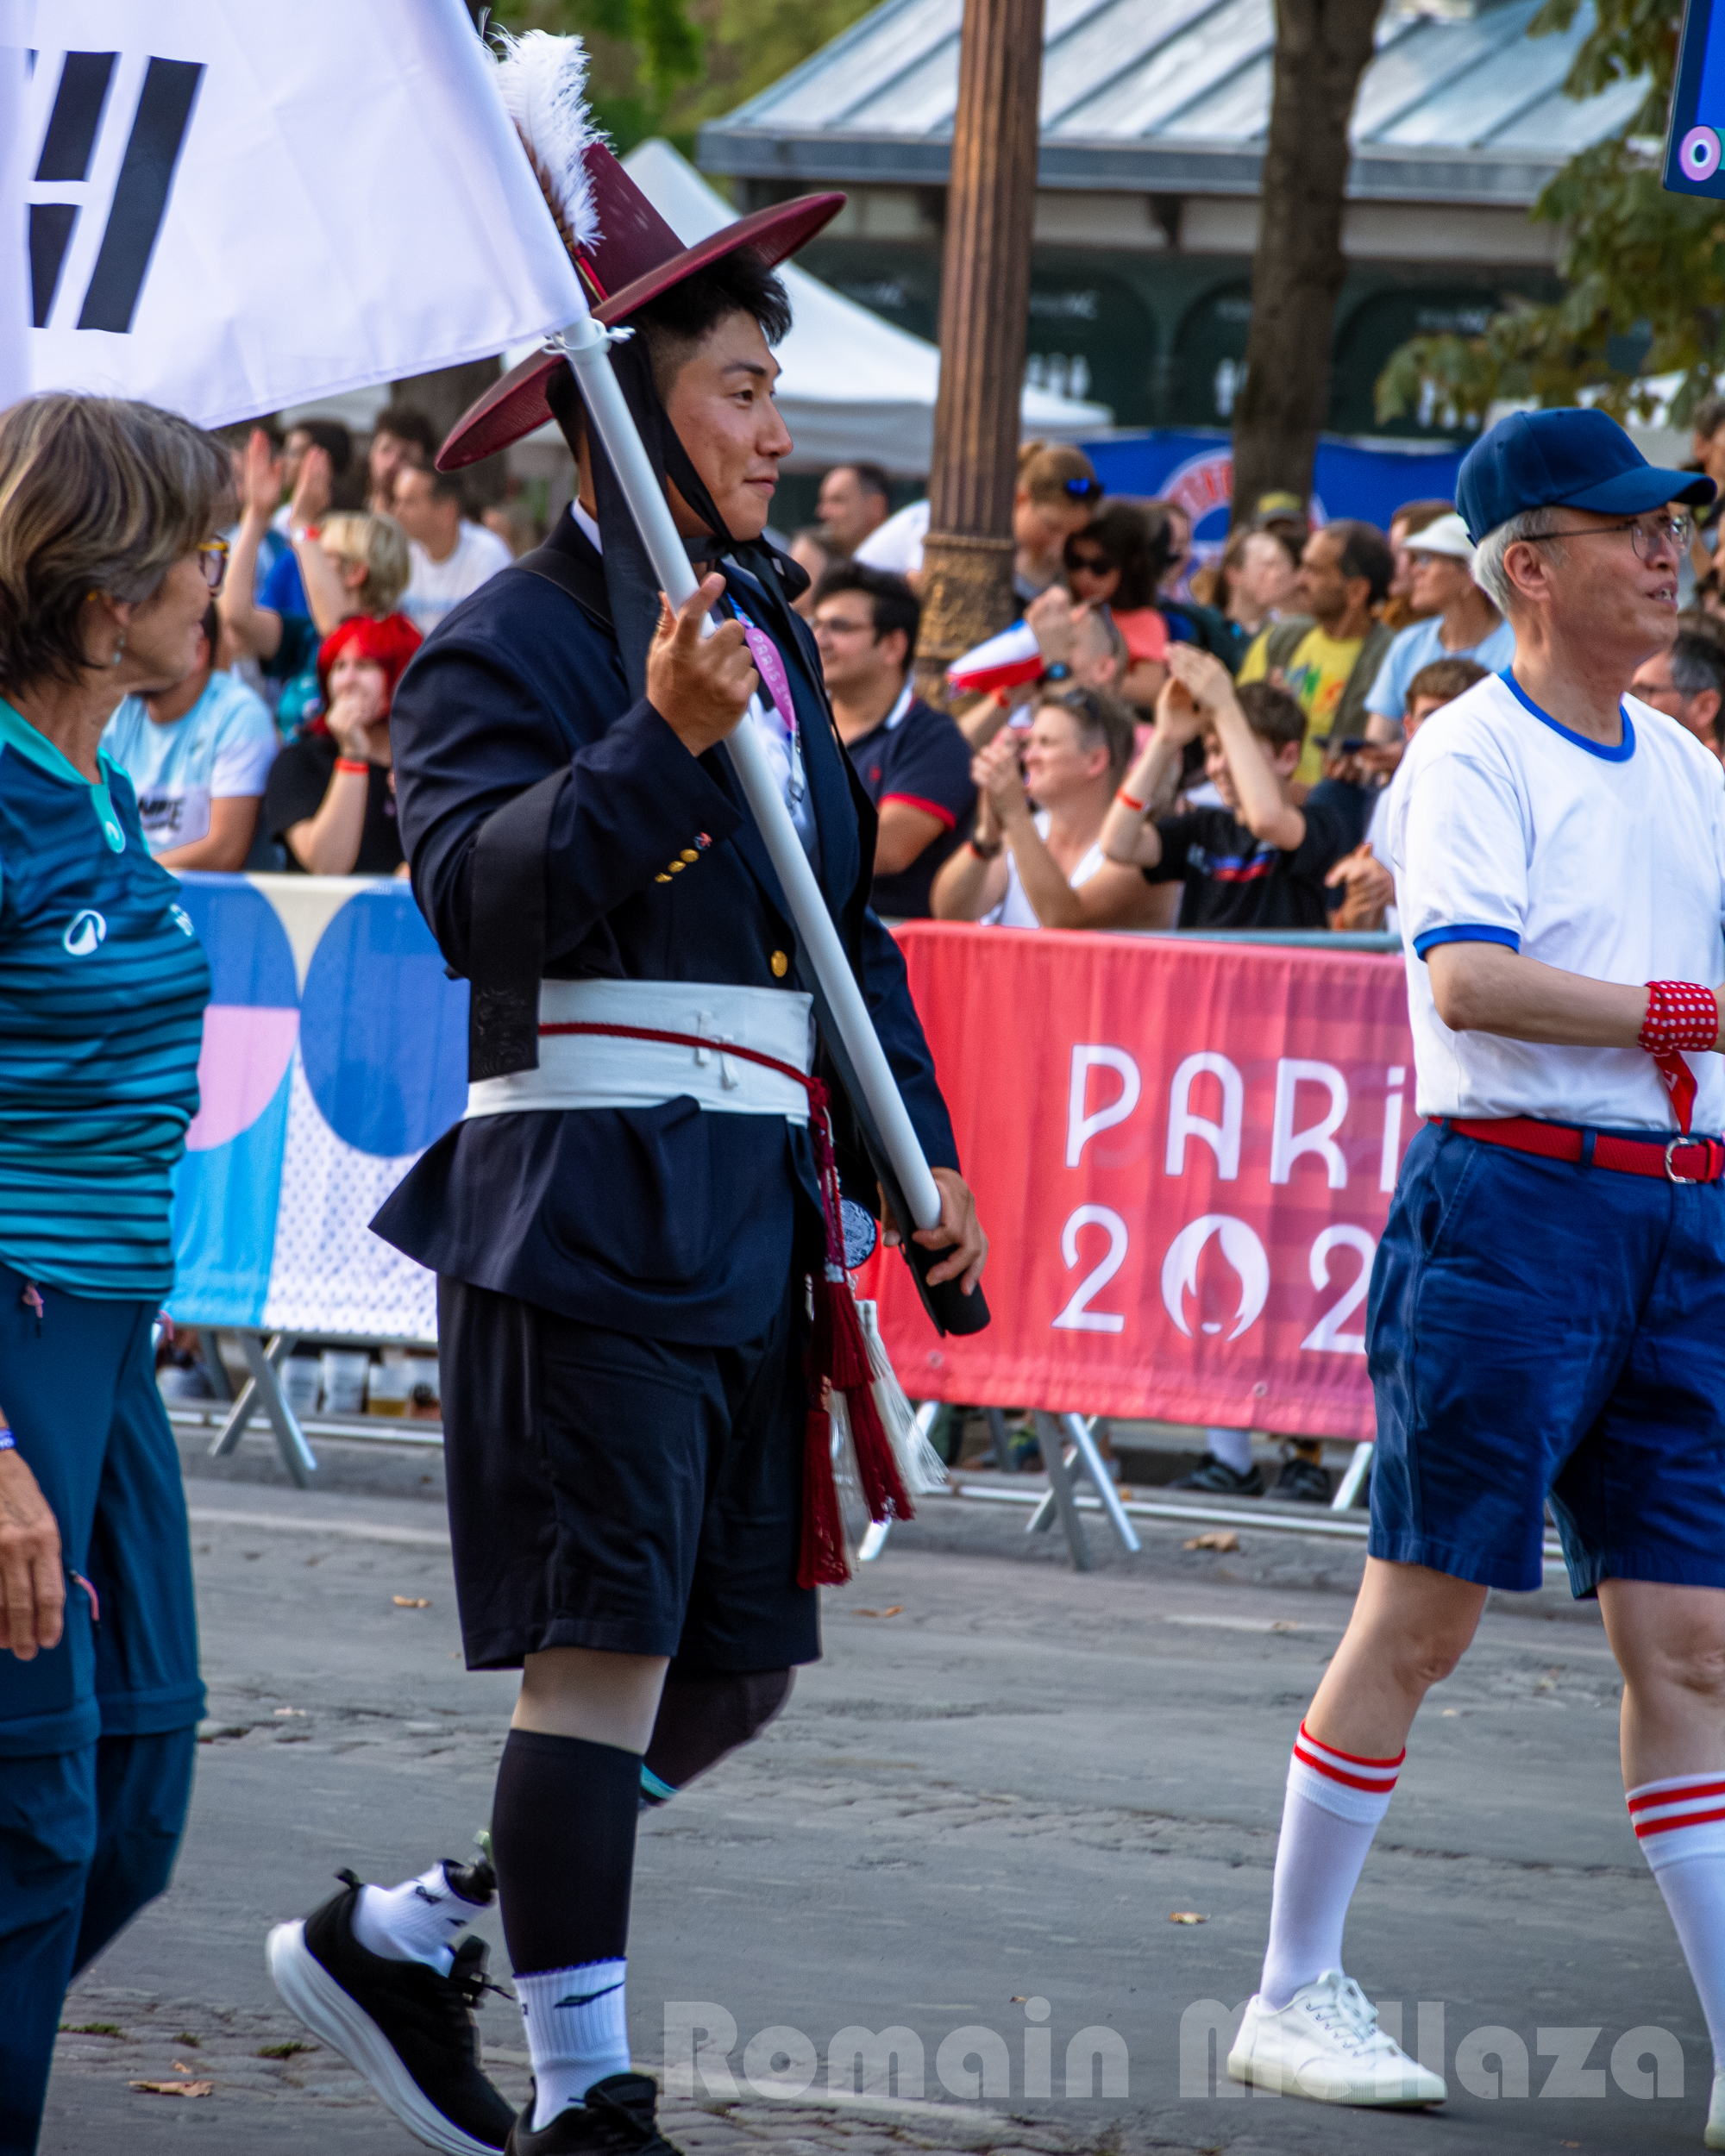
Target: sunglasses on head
[{"x": 1084, "y": 490}]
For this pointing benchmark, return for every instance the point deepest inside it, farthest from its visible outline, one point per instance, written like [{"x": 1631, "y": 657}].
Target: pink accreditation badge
[
  {"x": 781, "y": 711},
  {"x": 771, "y": 669}
]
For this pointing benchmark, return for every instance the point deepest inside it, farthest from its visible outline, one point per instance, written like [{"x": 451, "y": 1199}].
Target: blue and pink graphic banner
[{"x": 335, "y": 1051}]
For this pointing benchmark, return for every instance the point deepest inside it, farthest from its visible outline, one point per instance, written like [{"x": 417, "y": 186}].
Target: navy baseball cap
[{"x": 1569, "y": 458}]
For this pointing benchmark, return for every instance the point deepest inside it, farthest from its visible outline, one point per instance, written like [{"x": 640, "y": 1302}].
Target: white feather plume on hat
[{"x": 543, "y": 82}]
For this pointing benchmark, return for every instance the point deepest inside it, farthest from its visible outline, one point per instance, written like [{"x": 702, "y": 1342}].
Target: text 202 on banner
[{"x": 1183, "y": 1153}]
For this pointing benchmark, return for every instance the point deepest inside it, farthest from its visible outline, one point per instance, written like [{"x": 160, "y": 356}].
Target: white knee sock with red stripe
[
  {"x": 1680, "y": 1825},
  {"x": 1333, "y": 1808}
]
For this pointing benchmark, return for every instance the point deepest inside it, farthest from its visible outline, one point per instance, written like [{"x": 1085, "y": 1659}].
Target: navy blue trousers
[{"x": 98, "y": 1735}]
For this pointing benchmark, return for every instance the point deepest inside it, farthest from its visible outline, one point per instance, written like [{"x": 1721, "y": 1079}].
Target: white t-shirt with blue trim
[{"x": 1509, "y": 828}]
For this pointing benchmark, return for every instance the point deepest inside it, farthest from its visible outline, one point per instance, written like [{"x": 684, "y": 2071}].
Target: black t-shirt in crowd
[
  {"x": 298, "y": 780},
  {"x": 917, "y": 754},
  {"x": 1234, "y": 880}
]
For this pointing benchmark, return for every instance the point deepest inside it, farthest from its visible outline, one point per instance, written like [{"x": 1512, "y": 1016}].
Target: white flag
[
  {"x": 236, "y": 207},
  {"x": 14, "y": 358}
]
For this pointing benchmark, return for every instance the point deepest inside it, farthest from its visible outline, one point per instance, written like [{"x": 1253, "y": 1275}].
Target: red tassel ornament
[{"x": 820, "y": 1555}]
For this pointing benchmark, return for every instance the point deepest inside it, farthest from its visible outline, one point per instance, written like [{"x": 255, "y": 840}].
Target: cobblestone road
[{"x": 994, "y": 1791}]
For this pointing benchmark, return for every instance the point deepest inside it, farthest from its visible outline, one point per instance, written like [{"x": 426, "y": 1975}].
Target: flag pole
[{"x": 587, "y": 344}]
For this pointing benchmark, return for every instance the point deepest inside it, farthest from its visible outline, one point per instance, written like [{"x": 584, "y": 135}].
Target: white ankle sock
[
  {"x": 1333, "y": 1805},
  {"x": 1232, "y": 1447},
  {"x": 1680, "y": 1825},
  {"x": 421, "y": 1919},
  {"x": 577, "y": 2032}
]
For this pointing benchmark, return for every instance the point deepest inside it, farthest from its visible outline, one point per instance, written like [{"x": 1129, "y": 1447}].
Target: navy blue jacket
[{"x": 665, "y": 1222}]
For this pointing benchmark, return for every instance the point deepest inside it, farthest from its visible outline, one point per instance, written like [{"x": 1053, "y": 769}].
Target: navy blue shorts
[
  {"x": 1538, "y": 1329},
  {"x": 639, "y": 1496}
]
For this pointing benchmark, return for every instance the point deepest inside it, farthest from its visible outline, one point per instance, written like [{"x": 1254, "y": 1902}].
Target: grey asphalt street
[{"x": 994, "y": 1791}]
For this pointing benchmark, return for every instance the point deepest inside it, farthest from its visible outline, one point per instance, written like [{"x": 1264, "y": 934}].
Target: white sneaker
[
  {"x": 1326, "y": 2044},
  {"x": 1714, "y": 2135}
]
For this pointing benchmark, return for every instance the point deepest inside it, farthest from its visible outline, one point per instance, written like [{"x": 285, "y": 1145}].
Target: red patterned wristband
[{"x": 1681, "y": 1015}]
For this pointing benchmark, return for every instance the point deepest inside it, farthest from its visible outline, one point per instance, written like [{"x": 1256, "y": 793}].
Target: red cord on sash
[{"x": 838, "y": 1354}]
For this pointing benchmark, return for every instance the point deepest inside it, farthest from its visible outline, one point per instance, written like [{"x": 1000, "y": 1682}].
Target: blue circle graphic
[
  {"x": 251, "y": 961},
  {"x": 383, "y": 1032}
]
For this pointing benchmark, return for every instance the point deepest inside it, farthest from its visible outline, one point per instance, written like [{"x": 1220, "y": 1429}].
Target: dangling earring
[{"x": 119, "y": 650}]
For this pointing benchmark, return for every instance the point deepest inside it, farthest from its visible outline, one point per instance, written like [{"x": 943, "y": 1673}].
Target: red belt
[{"x": 1679, "y": 1160}]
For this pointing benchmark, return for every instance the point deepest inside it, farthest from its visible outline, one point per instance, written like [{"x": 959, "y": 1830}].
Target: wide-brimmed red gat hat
[{"x": 625, "y": 254}]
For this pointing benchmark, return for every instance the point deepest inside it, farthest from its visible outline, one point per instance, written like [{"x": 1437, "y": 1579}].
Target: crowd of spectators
[
  {"x": 273, "y": 752},
  {"x": 1213, "y": 751}
]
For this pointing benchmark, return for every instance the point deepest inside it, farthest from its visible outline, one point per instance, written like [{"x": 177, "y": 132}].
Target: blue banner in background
[
  {"x": 335, "y": 1051},
  {"x": 1196, "y": 468}
]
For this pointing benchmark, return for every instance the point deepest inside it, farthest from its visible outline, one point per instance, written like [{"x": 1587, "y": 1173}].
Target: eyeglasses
[
  {"x": 1650, "y": 536},
  {"x": 1090, "y": 564},
  {"x": 212, "y": 559},
  {"x": 836, "y": 625}
]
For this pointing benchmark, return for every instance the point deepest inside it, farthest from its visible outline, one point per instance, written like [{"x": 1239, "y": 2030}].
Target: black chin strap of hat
[{"x": 631, "y": 583}]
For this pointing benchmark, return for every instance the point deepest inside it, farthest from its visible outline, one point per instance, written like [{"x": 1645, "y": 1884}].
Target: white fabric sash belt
[{"x": 587, "y": 1070}]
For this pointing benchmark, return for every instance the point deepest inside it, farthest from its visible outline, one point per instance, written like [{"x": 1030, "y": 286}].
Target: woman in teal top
[{"x": 107, "y": 562}]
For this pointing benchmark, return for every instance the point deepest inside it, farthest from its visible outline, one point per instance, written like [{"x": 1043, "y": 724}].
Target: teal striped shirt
[{"x": 102, "y": 985}]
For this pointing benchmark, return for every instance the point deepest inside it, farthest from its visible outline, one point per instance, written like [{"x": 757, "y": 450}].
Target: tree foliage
[
  {"x": 664, "y": 66},
  {"x": 1644, "y": 272}
]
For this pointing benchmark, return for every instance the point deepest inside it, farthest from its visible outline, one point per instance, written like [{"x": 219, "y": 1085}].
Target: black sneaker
[
  {"x": 408, "y": 2030},
  {"x": 1304, "y": 1482},
  {"x": 616, "y": 2117},
  {"x": 1222, "y": 1480}
]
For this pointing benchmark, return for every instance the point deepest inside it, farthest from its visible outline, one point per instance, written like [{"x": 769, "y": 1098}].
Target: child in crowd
[
  {"x": 1259, "y": 860},
  {"x": 1363, "y": 876}
]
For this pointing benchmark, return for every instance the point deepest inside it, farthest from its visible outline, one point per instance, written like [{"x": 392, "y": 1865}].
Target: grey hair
[
  {"x": 1488, "y": 572},
  {"x": 1697, "y": 663},
  {"x": 96, "y": 494}
]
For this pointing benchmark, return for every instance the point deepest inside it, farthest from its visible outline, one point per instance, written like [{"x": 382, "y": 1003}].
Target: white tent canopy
[{"x": 853, "y": 385}]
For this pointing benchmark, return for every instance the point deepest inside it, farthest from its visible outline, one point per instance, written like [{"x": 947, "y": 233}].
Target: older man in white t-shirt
[
  {"x": 1547, "y": 1308},
  {"x": 451, "y": 557}
]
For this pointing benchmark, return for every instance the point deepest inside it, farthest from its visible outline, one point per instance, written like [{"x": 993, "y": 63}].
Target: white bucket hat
[{"x": 1446, "y": 535}]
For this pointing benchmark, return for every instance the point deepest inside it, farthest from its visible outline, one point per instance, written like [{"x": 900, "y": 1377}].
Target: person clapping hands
[
  {"x": 330, "y": 801},
  {"x": 1034, "y": 861}
]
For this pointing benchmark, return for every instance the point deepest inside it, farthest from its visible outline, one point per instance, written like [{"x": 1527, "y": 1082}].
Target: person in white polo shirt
[
  {"x": 451, "y": 557},
  {"x": 1546, "y": 1316}
]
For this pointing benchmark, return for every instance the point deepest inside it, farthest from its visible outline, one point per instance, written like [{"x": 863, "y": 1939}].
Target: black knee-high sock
[
  {"x": 562, "y": 1830},
  {"x": 704, "y": 1715}
]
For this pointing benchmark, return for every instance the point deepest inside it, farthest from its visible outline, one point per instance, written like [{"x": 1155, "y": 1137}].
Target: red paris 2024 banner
[{"x": 1183, "y": 1152}]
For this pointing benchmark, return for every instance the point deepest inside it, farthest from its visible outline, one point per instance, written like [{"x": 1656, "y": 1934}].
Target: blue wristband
[{"x": 8, "y": 1442}]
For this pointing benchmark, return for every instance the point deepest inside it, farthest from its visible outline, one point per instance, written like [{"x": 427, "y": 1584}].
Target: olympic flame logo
[{"x": 1242, "y": 1250}]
